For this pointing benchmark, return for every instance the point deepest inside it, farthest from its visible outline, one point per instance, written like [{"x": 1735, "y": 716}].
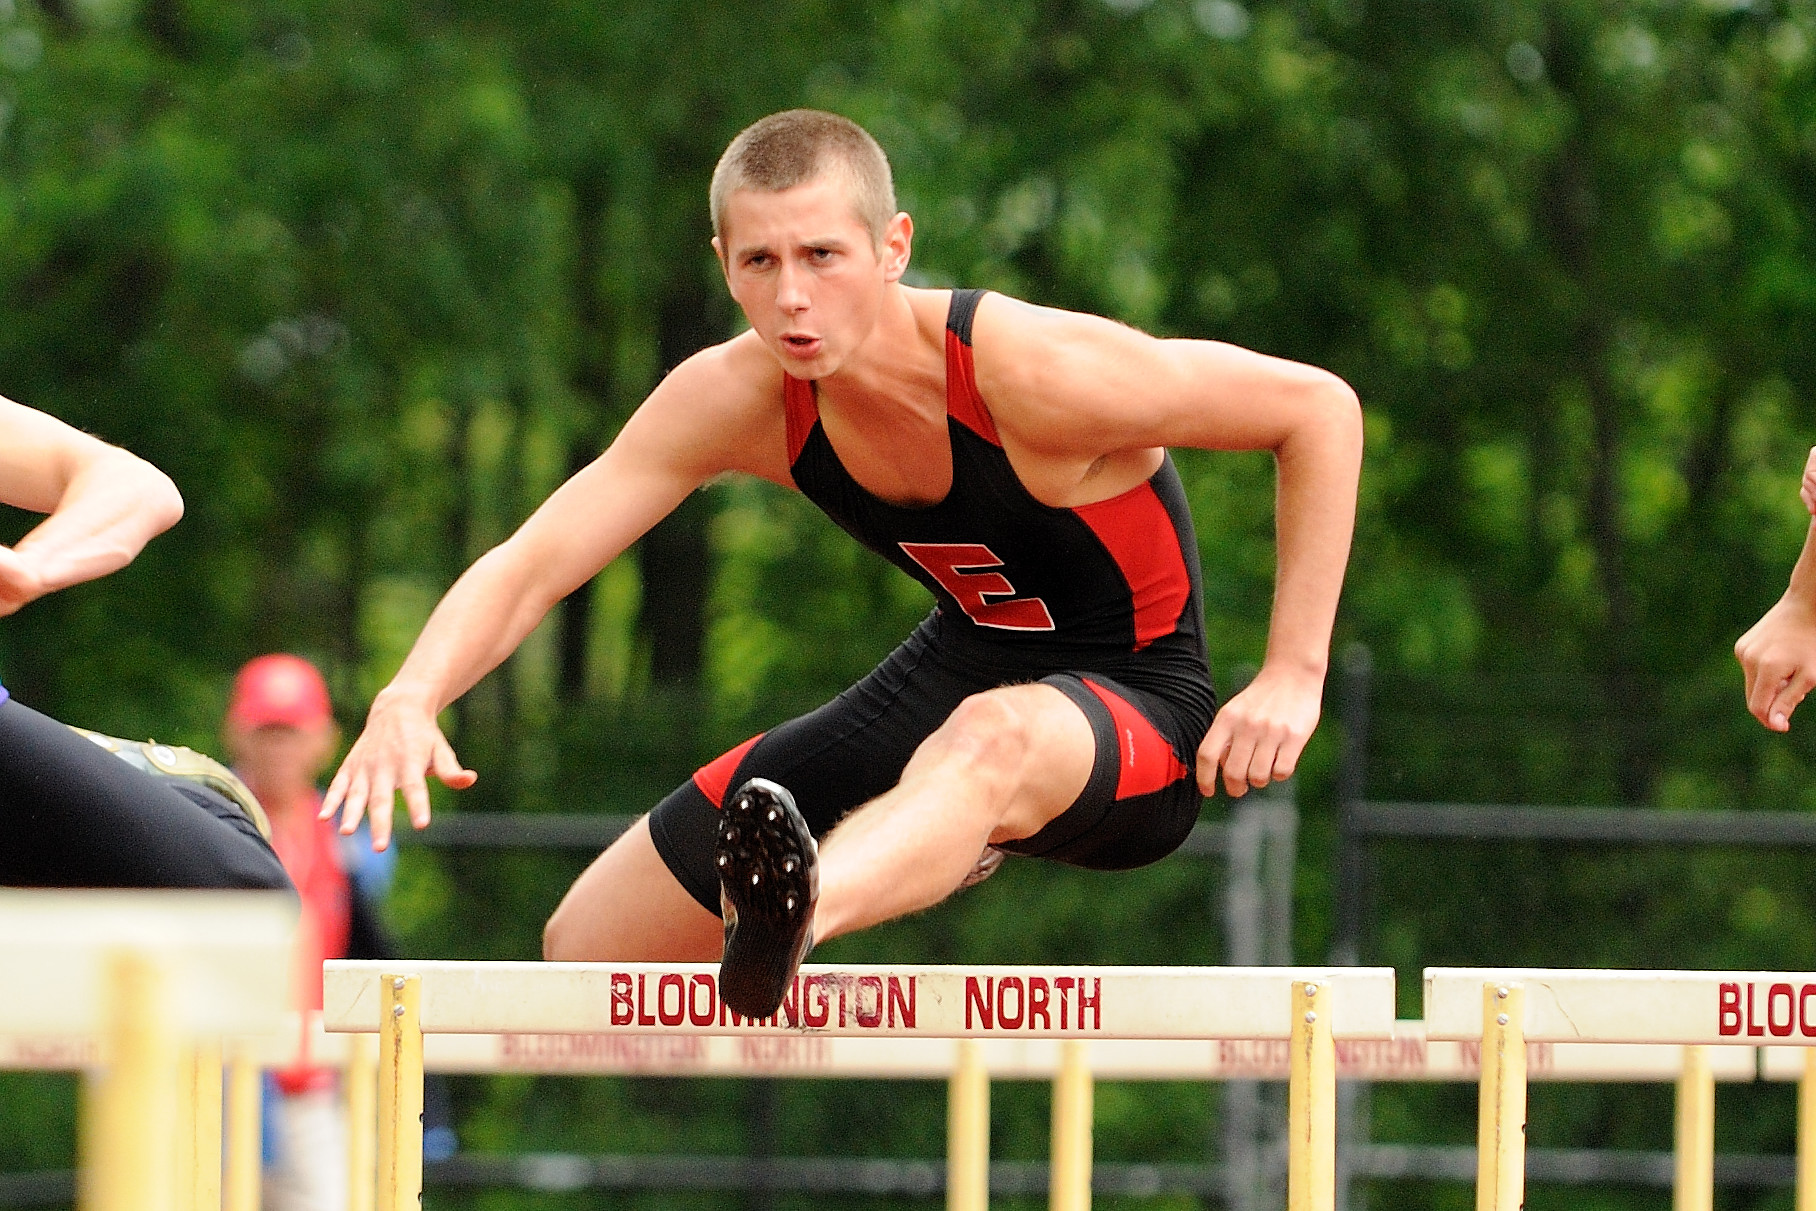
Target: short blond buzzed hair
[{"x": 798, "y": 145}]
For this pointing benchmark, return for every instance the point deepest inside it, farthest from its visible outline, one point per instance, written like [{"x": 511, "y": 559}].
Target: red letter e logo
[{"x": 962, "y": 569}]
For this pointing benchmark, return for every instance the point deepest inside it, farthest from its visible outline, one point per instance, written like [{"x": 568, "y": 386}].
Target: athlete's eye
[{"x": 820, "y": 254}]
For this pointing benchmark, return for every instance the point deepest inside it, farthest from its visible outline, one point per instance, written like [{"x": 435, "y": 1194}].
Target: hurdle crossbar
[
  {"x": 1684, "y": 1007},
  {"x": 866, "y": 1001}
]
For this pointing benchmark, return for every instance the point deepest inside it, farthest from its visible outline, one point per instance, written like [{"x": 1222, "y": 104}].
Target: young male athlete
[
  {"x": 1778, "y": 653},
  {"x": 1009, "y": 457},
  {"x": 79, "y": 809}
]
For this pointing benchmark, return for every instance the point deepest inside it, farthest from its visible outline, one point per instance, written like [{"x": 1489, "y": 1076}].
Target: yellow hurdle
[
  {"x": 361, "y": 1090},
  {"x": 130, "y": 1165},
  {"x": 1694, "y": 1179},
  {"x": 244, "y": 1109},
  {"x": 968, "y": 1131},
  {"x": 1806, "y": 1133},
  {"x": 1311, "y": 1103},
  {"x": 202, "y": 1139},
  {"x": 1501, "y": 1143},
  {"x": 1072, "y": 1110},
  {"x": 400, "y": 1095}
]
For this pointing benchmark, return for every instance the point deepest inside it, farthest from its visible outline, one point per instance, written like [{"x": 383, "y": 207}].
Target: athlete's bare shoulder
[
  {"x": 720, "y": 410},
  {"x": 1052, "y": 374}
]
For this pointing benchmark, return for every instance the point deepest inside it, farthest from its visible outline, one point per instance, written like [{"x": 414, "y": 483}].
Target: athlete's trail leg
[
  {"x": 627, "y": 907},
  {"x": 999, "y": 769}
]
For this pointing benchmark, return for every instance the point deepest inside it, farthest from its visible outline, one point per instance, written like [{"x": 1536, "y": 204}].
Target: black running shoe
[{"x": 769, "y": 882}]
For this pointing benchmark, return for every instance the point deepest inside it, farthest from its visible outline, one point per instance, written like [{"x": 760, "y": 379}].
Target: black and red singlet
[{"x": 1101, "y": 600}]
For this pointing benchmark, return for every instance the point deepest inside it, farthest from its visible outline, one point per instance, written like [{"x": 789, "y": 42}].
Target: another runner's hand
[
  {"x": 1778, "y": 656},
  {"x": 20, "y": 583},
  {"x": 1258, "y": 735},
  {"x": 401, "y": 745}
]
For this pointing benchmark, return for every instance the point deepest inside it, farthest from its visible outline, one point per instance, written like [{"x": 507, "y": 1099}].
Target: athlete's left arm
[
  {"x": 1102, "y": 390},
  {"x": 104, "y": 504}
]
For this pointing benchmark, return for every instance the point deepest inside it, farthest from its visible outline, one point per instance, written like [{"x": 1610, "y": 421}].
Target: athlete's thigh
[
  {"x": 628, "y": 907},
  {"x": 1141, "y": 798},
  {"x": 74, "y": 815}
]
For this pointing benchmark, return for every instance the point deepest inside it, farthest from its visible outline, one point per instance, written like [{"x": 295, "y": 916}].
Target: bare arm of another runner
[
  {"x": 705, "y": 418},
  {"x": 1112, "y": 392},
  {"x": 1778, "y": 653},
  {"x": 104, "y": 505}
]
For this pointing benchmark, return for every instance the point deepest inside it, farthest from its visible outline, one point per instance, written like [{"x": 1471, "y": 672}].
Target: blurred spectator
[{"x": 280, "y": 734}]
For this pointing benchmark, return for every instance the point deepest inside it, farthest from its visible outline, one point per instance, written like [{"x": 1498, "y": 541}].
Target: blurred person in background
[
  {"x": 1778, "y": 653},
  {"x": 280, "y": 733},
  {"x": 79, "y": 809}
]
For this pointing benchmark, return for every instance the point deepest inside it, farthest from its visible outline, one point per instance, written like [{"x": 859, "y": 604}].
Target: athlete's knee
[
  {"x": 992, "y": 732},
  {"x": 560, "y": 934}
]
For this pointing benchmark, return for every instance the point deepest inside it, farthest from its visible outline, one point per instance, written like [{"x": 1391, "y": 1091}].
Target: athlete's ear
[
  {"x": 898, "y": 246},
  {"x": 719, "y": 251}
]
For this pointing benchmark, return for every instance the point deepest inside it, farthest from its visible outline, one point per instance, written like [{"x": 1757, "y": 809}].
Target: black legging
[{"x": 74, "y": 815}]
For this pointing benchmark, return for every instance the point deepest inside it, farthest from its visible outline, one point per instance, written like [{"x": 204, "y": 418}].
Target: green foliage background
[{"x": 370, "y": 278}]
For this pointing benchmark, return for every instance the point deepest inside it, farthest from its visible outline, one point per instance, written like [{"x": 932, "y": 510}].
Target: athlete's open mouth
[{"x": 801, "y": 346}]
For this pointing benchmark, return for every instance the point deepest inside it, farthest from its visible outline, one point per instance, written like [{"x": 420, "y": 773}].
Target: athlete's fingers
[
  {"x": 1792, "y": 692},
  {"x": 416, "y": 801},
  {"x": 355, "y": 805},
  {"x": 1286, "y": 760},
  {"x": 1769, "y": 679},
  {"x": 1211, "y": 753},
  {"x": 448, "y": 767},
  {"x": 1236, "y": 763},
  {"x": 380, "y": 805},
  {"x": 335, "y": 795},
  {"x": 1807, "y": 489}
]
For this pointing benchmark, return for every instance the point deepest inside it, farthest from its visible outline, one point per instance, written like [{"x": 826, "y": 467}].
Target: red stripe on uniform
[
  {"x": 714, "y": 778},
  {"x": 1137, "y": 531},
  {"x": 1148, "y": 763},
  {"x": 963, "y": 403},
  {"x": 801, "y": 411}
]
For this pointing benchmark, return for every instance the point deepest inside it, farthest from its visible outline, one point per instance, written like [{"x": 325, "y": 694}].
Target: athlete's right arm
[{"x": 706, "y": 418}]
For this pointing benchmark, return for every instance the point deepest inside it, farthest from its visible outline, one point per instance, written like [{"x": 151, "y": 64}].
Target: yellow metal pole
[
  {"x": 1311, "y": 1103},
  {"x": 245, "y": 1153},
  {"x": 131, "y": 1162},
  {"x": 967, "y": 1132},
  {"x": 400, "y": 1095},
  {"x": 1501, "y": 1134},
  {"x": 1806, "y": 1133},
  {"x": 205, "y": 1186},
  {"x": 1071, "y": 1179},
  {"x": 186, "y": 1124},
  {"x": 1695, "y": 1167},
  {"x": 362, "y": 1120}
]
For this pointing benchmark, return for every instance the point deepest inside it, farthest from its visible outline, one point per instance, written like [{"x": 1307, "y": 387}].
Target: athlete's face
[{"x": 806, "y": 271}]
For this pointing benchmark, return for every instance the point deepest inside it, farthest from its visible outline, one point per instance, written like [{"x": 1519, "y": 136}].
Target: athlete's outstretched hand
[
  {"x": 1259, "y": 734},
  {"x": 401, "y": 745}
]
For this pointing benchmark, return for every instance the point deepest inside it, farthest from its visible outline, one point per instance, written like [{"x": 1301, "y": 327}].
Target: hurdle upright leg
[
  {"x": 361, "y": 1091},
  {"x": 1311, "y": 1103},
  {"x": 968, "y": 1131},
  {"x": 1072, "y": 1109},
  {"x": 133, "y": 1141},
  {"x": 204, "y": 1136},
  {"x": 1806, "y": 1133},
  {"x": 244, "y": 1112},
  {"x": 400, "y": 1095},
  {"x": 1694, "y": 1184},
  {"x": 1501, "y": 1134}
]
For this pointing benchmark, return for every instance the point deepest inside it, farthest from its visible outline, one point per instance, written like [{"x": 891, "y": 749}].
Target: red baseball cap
[{"x": 279, "y": 689}]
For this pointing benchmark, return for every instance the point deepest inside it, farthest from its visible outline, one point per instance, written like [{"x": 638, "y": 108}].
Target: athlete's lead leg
[{"x": 1007, "y": 762}]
